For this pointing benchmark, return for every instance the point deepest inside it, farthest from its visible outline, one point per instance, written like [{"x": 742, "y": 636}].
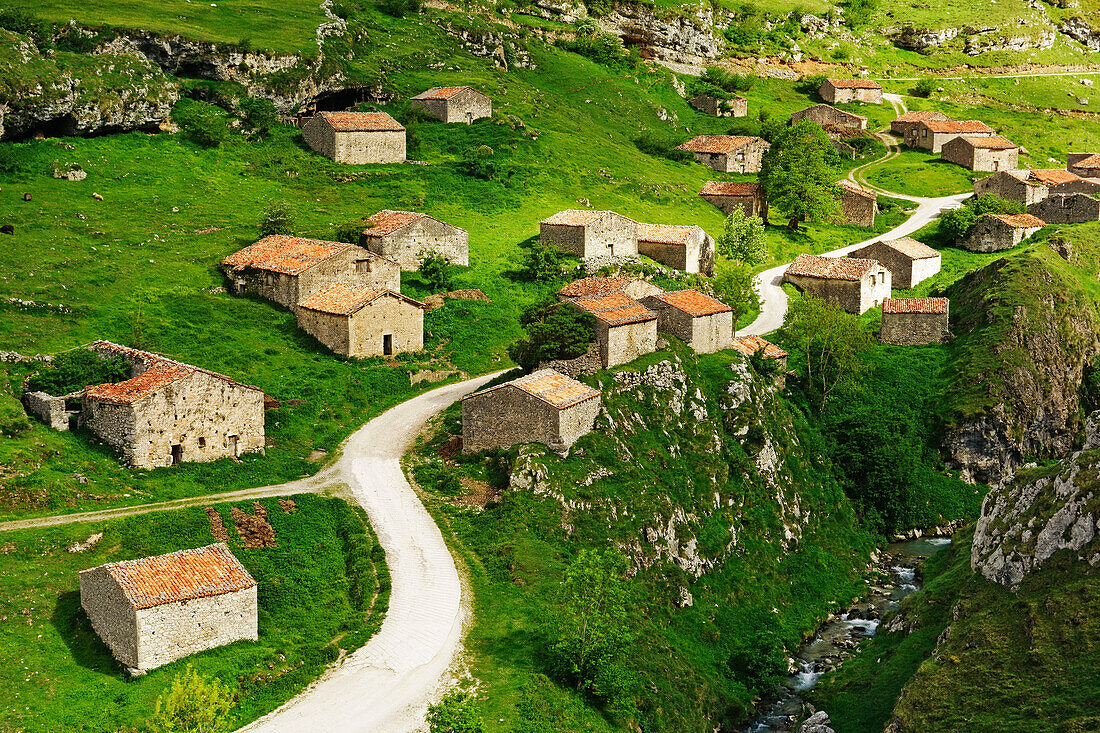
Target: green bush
[
  {"x": 758, "y": 659},
  {"x": 24, "y": 22},
  {"x": 923, "y": 88},
  {"x": 204, "y": 124},
  {"x": 600, "y": 46},
  {"x": 435, "y": 271},
  {"x": 259, "y": 116},
  {"x": 954, "y": 224},
  {"x": 661, "y": 145},
  {"x": 277, "y": 219},
  {"x": 554, "y": 331},
  {"x": 457, "y": 712},
  {"x": 74, "y": 370},
  {"x": 542, "y": 262},
  {"x": 401, "y": 8},
  {"x": 193, "y": 704}
]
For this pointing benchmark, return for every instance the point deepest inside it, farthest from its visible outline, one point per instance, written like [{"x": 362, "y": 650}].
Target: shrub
[
  {"x": 276, "y": 219},
  {"x": 542, "y": 262},
  {"x": 857, "y": 13},
  {"x": 923, "y": 88},
  {"x": 24, "y": 22},
  {"x": 662, "y": 146},
  {"x": 401, "y": 8},
  {"x": 259, "y": 116},
  {"x": 203, "y": 123},
  {"x": 193, "y": 704},
  {"x": 954, "y": 224},
  {"x": 554, "y": 331},
  {"x": 599, "y": 46},
  {"x": 481, "y": 162},
  {"x": 743, "y": 238},
  {"x": 758, "y": 659},
  {"x": 457, "y": 712},
  {"x": 810, "y": 84},
  {"x": 435, "y": 271},
  {"x": 76, "y": 369},
  {"x": 350, "y": 231}
]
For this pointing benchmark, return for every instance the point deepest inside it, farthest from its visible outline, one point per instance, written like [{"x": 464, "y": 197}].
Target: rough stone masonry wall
[
  {"x": 575, "y": 422},
  {"x": 612, "y": 236},
  {"x": 330, "y": 329},
  {"x": 111, "y": 615},
  {"x": 627, "y": 342},
  {"x": 990, "y": 235},
  {"x": 343, "y": 268},
  {"x": 751, "y": 205},
  {"x": 672, "y": 255},
  {"x": 858, "y": 210},
  {"x": 824, "y": 115},
  {"x": 274, "y": 286},
  {"x": 408, "y": 245},
  {"x": 570, "y": 239},
  {"x": 712, "y": 333},
  {"x": 670, "y": 320},
  {"x": 875, "y": 288},
  {"x": 835, "y": 95},
  {"x": 172, "y": 631},
  {"x": 1010, "y": 188},
  {"x": 996, "y": 160},
  {"x": 468, "y": 105},
  {"x": 921, "y": 270},
  {"x": 1072, "y": 209},
  {"x": 912, "y": 329},
  {"x": 382, "y": 146},
  {"x": 320, "y": 136},
  {"x": 48, "y": 409},
  {"x": 843, "y": 293},
  {"x": 387, "y": 315},
  {"x": 115, "y": 425},
  {"x": 505, "y": 417}
]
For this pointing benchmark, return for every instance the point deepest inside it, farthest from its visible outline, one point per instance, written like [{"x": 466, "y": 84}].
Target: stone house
[
  {"x": 589, "y": 234},
  {"x": 406, "y": 236},
  {"x": 750, "y": 345},
  {"x": 709, "y": 104},
  {"x": 856, "y": 285},
  {"x": 700, "y": 321},
  {"x": 155, "y": 610},
  {"x": 982, "y": 153},
  {"x": 728, "y": 153},
  {"x": 1067, "y": 208},
  {"x": 727, "y": 196},
  {"x": 453, "y": 104},
  {"x": 686, "y": 248},
  {"x": 634, "y": 288},
  {"x": 828, "y": 116},
  {"x": 915, "y": 321},
  {"x": 839, "y": 91},
  {"x": 359, "y": 322},
  {"x": 1085, "y": 165},
  {"x": 908, "y": 260},
  {"x": 168, "y": 412},
  {"x": 356, "y": 137},
  {"x": 625, "y": 329},
  {"x": 903, "y": 124},
  {"x": 994, "y": 232},
  {"x": 931, "y": 135},
  {"x": 542, "y": 407},
  {"x": 1029, "y": 187},
  {"x": 859, "y": 204},
  {"x": 287, "y": 270}
]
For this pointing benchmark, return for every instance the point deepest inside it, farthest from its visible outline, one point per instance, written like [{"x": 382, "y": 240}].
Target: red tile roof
[
  {"x": 934, "y": 306},
  {"x": 907, "y": 246},
  {"x": 288, "y": 255},
  {"x": 1092, "y": 162},
  {"x": 179, "y": 576},
  {"x": 830, "y": 268},
  {"x": 1053, "y": 176},
  {"x": 441, "y": 92},
  {"x": 361, "y": 122},
  {"x": 920, "y": 116},
  {"x": 717, "y": 143},
  {"x": 694, "y": 303},
  {"x": 575, "y": 217},
  {"x": 729, "y": 188},
  {"x": 159, "y": 372},
  {"x": 749, "y": 345},
  {"x": 1020, "y": 221},
  {"x": 994, "y": 142},
  {"x": 342, "y": 299},
  {"x": 550, "y": 386},
  {"x": 387, "y": 222},
  {"x": 854, "y": 84},
  {"x": 958, "y": 126},
  {"x": 852, "y": 186},
  {"x": 587, "y": 286},
  {"x": 665, "y": 233},
  {"x": 615, "y": 309}
]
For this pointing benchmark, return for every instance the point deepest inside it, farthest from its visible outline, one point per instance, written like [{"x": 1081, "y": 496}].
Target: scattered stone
[
  {"x": 69, "y": 172},
  {"x": 436, "y": 301},
  {"x": 87, "y": 544},
  {"x": 685, "y": 600},
  {"x": 80, "y": 478},
  {"x": 288, "y": 506},
  {"x": 817, "y": 723}
]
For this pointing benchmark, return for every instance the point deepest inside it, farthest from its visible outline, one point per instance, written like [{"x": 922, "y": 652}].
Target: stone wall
[
  {"x": 612, "y": 236},
  {"x": 621, "y": 344},
  {"x": 330, "y": 329},
  {"x": 825, "y": 115},
  {"x": 505, "y": 417},
  {"x": 47, "y": 408},
  {"x": 1010, "y": 188},
  {"x": 320, "y": 136},
  {"x": 912, "y": 329},
  {"x": 751, "y": 205},
  {"x": 575, "y": 422},
  {"x": 697, "y": 256},
  {"x": 387, "y": 316},
  {"x": 672, "y": 321},
  {"x": 991, "y": 235},
  {"x": 712, "y": 333},
  {"x": 115, "y": 425},
  {"x": 960, "y": 152},
  {"x": 466, "y": 106},
  {"x": 1067, "y": 209},
  {"x": 587, "y": 363},
  {"x": 346, "y": 267},
  {"x": 922, "y": 137},
  {"x": 905, "y": 272},
  {"x": 858, "y": 210},
  {"x": 274, "y": 286},
  {"x": 851, "y": 295},
  {"x": 172, "y": 631},
  {"x": 356, "y": 148},
  {"x": 747, "y": 159},
  {"x": 710, "y": 105},
  {"x": 407, "y": 245},
  {"x": 834, "y": 95},
  {"x": 111, "y": 614}
]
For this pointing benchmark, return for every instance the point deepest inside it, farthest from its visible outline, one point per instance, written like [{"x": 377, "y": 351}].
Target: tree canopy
[
  {"x": 743, "y": 238},
  {"x": 798, "y": 174}
]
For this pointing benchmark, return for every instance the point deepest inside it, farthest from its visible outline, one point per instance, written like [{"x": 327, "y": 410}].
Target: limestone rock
[{"x": 816, "y": 723}]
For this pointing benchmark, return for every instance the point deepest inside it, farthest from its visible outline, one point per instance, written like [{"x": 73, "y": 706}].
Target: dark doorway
[
  {"x": 233, "y": 445},
  {"x": 177, "y": 454},
  {"x": 387, "y": 345}
]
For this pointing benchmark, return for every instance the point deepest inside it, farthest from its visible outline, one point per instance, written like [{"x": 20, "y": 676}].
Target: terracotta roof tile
[
  {"x": 361, "y": 122},
  {"x": 749, "y": 345},
  {"x": 1052, "y": 176},
  {"x": 615, "y": 309},
  {"x": 729, "y": 188},
  {"x": 993, "y": 142},
  {"x": 911, "y": 248},
  {"x": 958, "y": 126},
  {"x": 831, "y": 268},
  {"x": 441, "y": 92},
  {"x": 665, "y": 233},
  {"x": 159, "y": 372},
  {"x": 1092, "y": 162},
  {"x": 179, "y": 576},
  {"x": 854, "y": 84},
  {"x": 587, "y": 286},
  {"x": 387, "y": 222},
  {"x": 934, "y": 306},
  {"x": 1020, "y": 221},
  {"x": 575, "y": 217},
  {"x": 852, "y": 186},
  {"x": 694, "y": 303},
  {"x": 342, "y": 299},
  {"x": 288, "y": 255},
  {"x": 550, "y": 386},
  {"x": 717, "y": 143},
  {"x": 920, "y": 116}
]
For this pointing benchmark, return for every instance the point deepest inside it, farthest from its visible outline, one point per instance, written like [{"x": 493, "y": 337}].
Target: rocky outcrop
[
  {"x": 924, "y": 40},
  {"x": 675, "y": 37},
  {"x": 1004, "y": 39},
  {"x": 1079, "y": 30}
]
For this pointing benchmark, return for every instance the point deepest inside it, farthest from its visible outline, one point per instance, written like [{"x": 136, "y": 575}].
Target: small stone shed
[
  {"x": 590, "y": 234},
  {"x": 839, "y": 91},
  {"x": 169, "y": 412},
  {"x": 908, "y": 260},
  {"x": 625, "y": 329},
  {"x": 1067, "y": 208},
  {"x": 359, "y": 322},
  {"x": 633, "y": 287},
  {"x": 686, "y": 248},
  {"x": 903, "y": 124},
  {"x": 356, "y": 137},
  {"x": 931, "y": 135},
  {"x": 709, "y": 104},
  {"x": 828, "y": 116},
  {"x": 406, "y": 236},
  {"x": 994, "y": 232},
  {"x": 728, "y": 195},
  {"x": 700, "y": 321},
  {"x": 453, "y": 104},
  {"x": 859, "y": 204},
  {"x": 1085, "y": 165},
  {"x": 728, "y": 153},
  {"x": 915, "y": 321},
  {"x": 993, "y": 153},
  {"x": 155, "y": 610},
  {"x": 287, "y": 270},
  {"x": 542, "y": 407},
  {"x": 856, "y": 285},
  {"x": 750, "y": 345},
  {"x": 1032, "y": 186}
]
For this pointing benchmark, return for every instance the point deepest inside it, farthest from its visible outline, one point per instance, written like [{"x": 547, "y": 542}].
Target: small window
[
  {"x": 202, "y": 442},
  {"x": 363, "y": 266}
]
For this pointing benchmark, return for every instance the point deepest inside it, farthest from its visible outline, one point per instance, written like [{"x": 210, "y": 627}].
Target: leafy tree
[
  {"x": 458, "y": 712},
  {"x": 276, "y": 219},
  {"x": 757, "y": 657},
  {"x": 203, "y": 123},
  {"x": 798, "y": 174},
  {"x": 955, "y": 224},
  {"x": 554, "y": 331},
  {"x": 259, "y": 116},
  {"x": 733, "y": 286},
  {"x": 77, "y": 369},
  {"x": 743, "y": 238},
  {"x": 435, "y": 270},
  {"x": 193, "y": 704},
  {"x": 401, "y": 8},
  {"x": 832, "y": 343},
  {"x": 923, "y": 88},
  {"x": 542, "y": 262},
  {"x": 662, "y": 145}
]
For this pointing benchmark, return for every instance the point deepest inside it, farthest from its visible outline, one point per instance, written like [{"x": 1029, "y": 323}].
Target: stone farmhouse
[
  {"x": 453, "y": 104},
  {"x": 686, "y": 248},
  {"x": 903, "y": 124},
  {"x": 839, "y": 91},
  {"x": 982, "y": 153},
  {"x": 932, "y": 134},
  {"x": 356, "y": 321},
  {"x": 728, "y": 153},
  {"x": 1085, "y": 165},
  {"x": 589, "y": 234},
  {"x": 155, "y": 610},
  {"x": 1067, "y": 208},
  {"x": 750, "y": 345},
  {"x": 915, "y": 321},
  {"x": 625, "y": 329},
  {"x": 727, "y": 196},
  {"x": 856, "y": 285},
  {"x": 406, "y": 236},
  {"x": 994, "y": 232},
  {"x": 1029, "y": 187},
  {"x": 287, "y": 270},
  {"x": 859, "y": 204},
  {"x": 542, "y": 407},
  {"x": 356, "y": 137},
  {"x": 908, "y": 260},
  {"x": 700, "y": 321},
  {"x": 709, "y": 104},
  {"x": 827, "y": 117},
  {"x": 634, "y": 288}
]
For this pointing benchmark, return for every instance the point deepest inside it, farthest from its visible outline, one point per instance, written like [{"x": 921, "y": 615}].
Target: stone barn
[
  {"x": 839, "y": 91},
  {"x": 915, "y": 321},
  {"x": 591, "y": 234},
  {"x": 287, "y": 270},
  {"x": 406, "y": 236},
  {"x": 727, "y": 196},
  {"x": 827, "y": 116},
  {"x": 931, "y": 135},
  {"x": 686, "y": 248},
  {"x": 856, "y": 285},
  {"x": 709, "y": 104},
  {"x": 859, "y": 204},
  {"x": 542, "y": 407},
  {"x": 728, "y": 153},
  {"x": 1071, "y": 208},
  {"x": 168, "y": 412},
  {"x": 994, "y": 232},
  {"x": 356, "y": 137},
  {"x": 625, "y": 329},
  {"x": 700, "y": 321},
  {"x": 359, "y": 322},
  {"x": 1029, "y": 187},
  {"x": 908, "y": 260},
  {"x": 982, "y": 153},
  {"x": 1085, "y": 165},
  {"x": 903, "y": 124},
  {"x": 453, "y": 104},
  {"x": 155, "y": 610},
  {"x": 634, "y": 288},
  {"x": 750, "y": 345}
]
